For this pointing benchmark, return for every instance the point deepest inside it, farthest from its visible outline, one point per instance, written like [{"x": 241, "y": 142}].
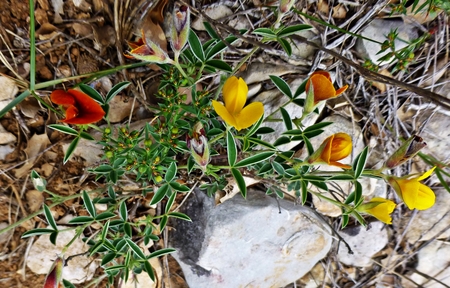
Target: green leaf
[
  {"x": 170, "y": 202},
  {"x": 441, "y": 179},
  {"x": 86, "y": 136},
  {"x": 180, "y": 216},
  {"x": 116, "y": 90},
  {"x": 286, "y": 118},
  {"x": 281, "y": 85},
  {"x": 81, "y": 220},
  {"x": 88, "y": 204},
  {"x": 299, "y": 91},
  {"x": 254, "y": 159},
  {"x": 196, "y": 46},
  {"x": 71, "y": 149},
  {"x": 64, "y": 129},
  {"x": 108, "y": 258},
  {"x": 137, "y": 251},
  {"x": 53, "y": 237},
  {"x": 219, "y": 64},
  {"x": 163, "y": 222},
  {"x": 264, "y": 130},
  {"x": 343, "y": 177},
  {"x": 219, "y": 47},
  {"x": 127, "y": 229},
  {"x": 281, "y": 141},
  {"x": 317, "y": 126},
  {"x": 48, "y": 215},
  {"x": 67, "y": 284},
  {"x": 288, "y": 31},
  {"x": 285, "y": 45},
  {"x": 265, "y": 32},
  {"x": 105, "y": 230},
  {"x": 240, "y": 181},
  {"x": 179, "y": 187},
  {"x": 161, "y": 252},
  {"x": 278, "y": 167},
  {"x": 104, "y": 216},
  {"x": 171, "y": 172},
  {"x": 160, "y": 193},
  {"x": 37, "y": 232},
  {"x": 92, "y": 93},
  {"x": 360, "y": 162},
  {"x": 148, "y": 268},
  {"x": 358, "y": 192},
  {"x": 262, "y": 143},
  {"x": 103, "y": 169},
  {"x": 231, "y": 149},
  {"x": 211, "y": 30},
  {"x": 304, "y": 187},
  {"x": 123, "y": 212},
  {"x": 345, "y": 220}
]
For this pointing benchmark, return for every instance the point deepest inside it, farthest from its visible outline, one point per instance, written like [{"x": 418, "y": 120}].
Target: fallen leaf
[
  {"x": 35, "y": 146},
  {"x": 339, "y": 12},
  {"x": 34, "y": 200},
  {"x": 379, "y": 85}
]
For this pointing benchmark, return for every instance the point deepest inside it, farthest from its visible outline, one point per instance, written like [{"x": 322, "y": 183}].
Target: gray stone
[
  {"x": 247, "y": 243},
  {"x": 433, "y": 262},
  {"x": 364, "y": 243},
  {"x": 377, "y": 30},
  {"x": 433, "y": 222}
]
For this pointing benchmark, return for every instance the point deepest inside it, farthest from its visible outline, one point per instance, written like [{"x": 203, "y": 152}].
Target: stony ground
[{"x": 77, "y": 37}]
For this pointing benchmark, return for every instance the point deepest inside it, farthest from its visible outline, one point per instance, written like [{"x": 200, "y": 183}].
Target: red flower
[{"x": 80, "y": 108}]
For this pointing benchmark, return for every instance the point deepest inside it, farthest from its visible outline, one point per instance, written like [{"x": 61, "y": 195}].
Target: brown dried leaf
[
  {"x": 339, "y": 12},
  {"x": 379, "y": 85},
  {"x": 35, "y": 146}
]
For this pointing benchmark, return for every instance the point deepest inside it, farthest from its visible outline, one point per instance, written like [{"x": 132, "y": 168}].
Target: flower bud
[
  {"x": 147, "y": 51},
  {"x": 54, "y": 277},
  {"x": 285, "y": 6},
  {"x": 180, "y": 27},
  {"x": 405, "y": 152},
  {"x": 198, "y": 145},
  {"x": 380, "y": 208}
]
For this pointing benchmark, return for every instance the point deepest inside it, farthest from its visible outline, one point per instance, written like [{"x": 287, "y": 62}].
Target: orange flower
[
  {"x": 80, "y": 108},
  {"x": 54, "y": 277},
  {"x": 323, "y": 87},
  {"x": 334, "y": 148}
]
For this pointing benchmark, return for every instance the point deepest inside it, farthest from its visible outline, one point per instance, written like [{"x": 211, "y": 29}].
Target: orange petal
[
  {"x": 341, "y": 146},
  {"x": 323, "y": 88},
  {"x": 89, "y": 111},
  {"x": 249, "y": 115},
  {"x": 61, "y": 97},
  {"x": 234, "y": 92},
  {"x": 223, "y": 113},
  {"x": 324, "y": 73},
  {"x": 340, "y": 165},
  {"x": 341, "y": 90},
  {"x": 71, "y": 112},
  {"x": 326, "y": 152}
]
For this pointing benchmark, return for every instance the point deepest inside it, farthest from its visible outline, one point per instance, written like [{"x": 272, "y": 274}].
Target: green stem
[{"x": 178, "y": 66}]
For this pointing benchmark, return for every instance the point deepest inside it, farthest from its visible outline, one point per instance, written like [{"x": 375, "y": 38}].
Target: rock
[
  {"x": 6, "y": 137},
  {"x": 258, "y": 72},
  {"x": 364, "y": 243},
  {"x": 371, "y": 187},
  {"x": 377, "y": 30},
  {"x": 302, "y": 50},
  {"x": 429, "y": 224},
  {"x": 433, "y": 262},
  {"x": 8, "y": 91},
  {"x": 42, "y": 254},
  {"x": 228, "y": 240},
  {"x": 214, "y": 11}
]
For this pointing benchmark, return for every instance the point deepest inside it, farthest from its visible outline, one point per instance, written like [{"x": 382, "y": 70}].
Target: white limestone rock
[
  {"x": 247, "y": 243},
  {"x": 364, "y": 243}
]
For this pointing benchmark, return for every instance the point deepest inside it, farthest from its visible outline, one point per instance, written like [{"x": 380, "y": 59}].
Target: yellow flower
[
  {"x": 415, "y": 194},
  {"x": 233, "y": 112},
  {"x": 334, "y": 148},
  {"x": 379, "y": 208},
  {"x": 323, "y": 87}
]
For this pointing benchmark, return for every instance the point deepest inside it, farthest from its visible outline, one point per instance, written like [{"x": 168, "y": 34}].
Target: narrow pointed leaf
[
  {"x": 254, "y": 159},
  {"x": 240, "y": 181},
  {"x": 281, "y": 85},
  {"x": 231, "y": 149}
]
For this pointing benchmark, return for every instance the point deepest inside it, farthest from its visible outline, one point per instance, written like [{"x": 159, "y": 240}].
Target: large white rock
[
  {"x": 364, "y": 243},
  {"x": 247, "y": 243}
]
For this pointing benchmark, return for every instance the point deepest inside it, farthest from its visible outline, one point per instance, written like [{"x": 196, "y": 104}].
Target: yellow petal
[
  {"x": 223, "y": 112},
  {"x": 426, "y": 174},
  {"x": 234, "y": 94},
  {"x": 425, "y": 197},
  {"x": 409, "y": 190},
  {"x": 341, "y": 146},
  {"x": 249, "y": 115},
  {"x": 323, "y": 88},
  {"x": 326, "y": 152}
]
